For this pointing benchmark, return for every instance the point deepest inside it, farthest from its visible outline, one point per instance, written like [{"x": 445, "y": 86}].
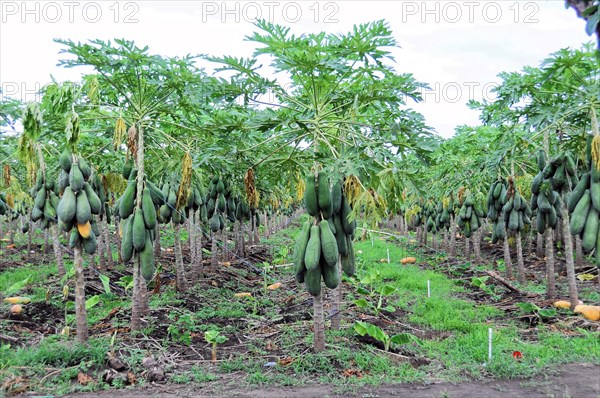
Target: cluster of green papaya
[
  {"x": 470, "y": 216},
  {"x": 138, "y": 220},
  {"x": 196, "y": 201},
  {"x": 429, "y": 214},
  {"x": 438, "y": 216},
  {"x": 167, "y": 199},
  {"x": 546, "y": 186},
  {"x": 4, "y": 208},
  {"x": 495, "y": 204},
  {"x": 100, "y": 189},
  {"x": 20, "y": 209},
  {"x": 45, "y": 200},
  {"x": 78, "y": 203},
  {"x": 220, "y": 203},
  {"x": 321, "y": 243},
  {"x": 584, "y": 205},
  {"x": 516, "y": 211}
]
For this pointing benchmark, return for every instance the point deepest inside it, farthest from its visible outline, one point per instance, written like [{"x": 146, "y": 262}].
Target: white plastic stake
[
  {"x": 388, "y": 252},
  {"x": 490, "y": 344},
  {"x": 428, "y": 288},
  {"x": 372, "y": 241}
]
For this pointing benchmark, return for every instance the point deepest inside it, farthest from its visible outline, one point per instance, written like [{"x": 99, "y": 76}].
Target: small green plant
[
  {"x": 282, "y": 255},
  {"x": 126, "y": 282},
  {"x": 480, "y": 283},
  {"x": 105, "y": 283},
  {"x": 365, "y": 328},
  {"x": 378, "y": 294},
  {"x": 181, "y": 328},
  {"x": 541, "y": 313},
  {"x": 214, "y": 337}
]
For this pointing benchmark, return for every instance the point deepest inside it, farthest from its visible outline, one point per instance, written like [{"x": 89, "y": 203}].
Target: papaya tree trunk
[
  {"x": 578, "y": 252},
  {"x": 138, "y": 297},
  {"x": 191, "y": 231},
  {"x": 467, "y": 249},
  {"x": 180, "y": 270},
  {"x": 319, "y": 323},
  {"x": 477, "y": 245},
  {"x": 569, "y": 261},
  {"x": 110, "y": 262},
  {"x": 80, "y": 311},
  {"x": 550, "y": 279},
  {"x": 539, "y": 245},
  {"x": 452, "y": 237},
  {"x": 57, "y": 251},
  {"x": 100, "y": 251},
  {"x": 137, "y": 305},
  {"x": 336, "y": 299},
  {"x": 199, "y": 253},
  {"x": 11, "y": 232},
  {"x": 520, "y": 262},
  {"x": 214, "y": 255},
  {"x": 46, "y": 237},
  {"x": 30, "y": 233},
  {"x": 507, "y": 259}
]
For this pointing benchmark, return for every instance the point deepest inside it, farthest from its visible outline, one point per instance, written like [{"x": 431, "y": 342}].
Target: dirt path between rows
[{"x": 572, "y": 381}]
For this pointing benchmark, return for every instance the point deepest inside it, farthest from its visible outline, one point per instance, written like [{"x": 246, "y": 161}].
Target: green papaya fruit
[
  {"x": 349, "y": 226},
  {"x": 67, "y": 207},
  {"x": 324, "y": 195},
  {"x": 541, "y": 159},
  {"x": 331, "y": 275},
  {"x": 127, "y": 168},
  {"x": 93, "y": 199},
  {"x": 329, "y": 247},
  {"x": 336, "y": 197},
  {"x": 83, "y": 212},
  {"x": 127, "y": 239},
  {"x": 580, "y": 214},
  {"x": 595, "y": 195},
  {"x": 312, "y": 280},
  {"x": 155, "y": 193},
  {"x": 299, "y": 251},
  {"x": 85, "y": 169},
  {"x": 148, "y": 209},
  {"x": 147, "y": 259},
  {"x": 221, "y": 204},
  {"x": 348, "y": 262},
  {"x": 312, "y": 254},
  {"x": 65, "y": 161},
  {"x": 590, "y": 231},
  {"x": 310, "y": 196},
  {"x": 90, "y": 244},
  {"x": 215, "y": 223},
  {"x": 76, "y": 180},
  {"x": 40, "y": 199},
  {"x": 139, "y": 230},
  {"x": 127, "y": 201},
  {"x": 74, "y": 238}
]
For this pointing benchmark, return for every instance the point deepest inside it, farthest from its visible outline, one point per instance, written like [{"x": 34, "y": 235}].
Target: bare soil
[{"x": 585, "y": 384}]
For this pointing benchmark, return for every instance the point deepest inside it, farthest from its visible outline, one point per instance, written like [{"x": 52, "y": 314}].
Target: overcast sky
[{"x": 457, "y": 47}]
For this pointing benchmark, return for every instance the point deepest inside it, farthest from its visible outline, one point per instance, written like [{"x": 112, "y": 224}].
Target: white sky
[{"x": 458, "y": 47}]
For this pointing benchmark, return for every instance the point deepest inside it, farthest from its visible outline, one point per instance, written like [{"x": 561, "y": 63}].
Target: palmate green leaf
[
  {"x": 404, "y": 338},
  {"x": 528, "y": 308},
  {"x": 387, "y": 290},
  {"x": 361, "y": 303},
  {"x": 92, "y": 301}
]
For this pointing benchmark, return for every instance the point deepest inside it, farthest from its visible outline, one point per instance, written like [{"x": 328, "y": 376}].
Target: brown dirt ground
[{"x": 586, "y": 384}]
